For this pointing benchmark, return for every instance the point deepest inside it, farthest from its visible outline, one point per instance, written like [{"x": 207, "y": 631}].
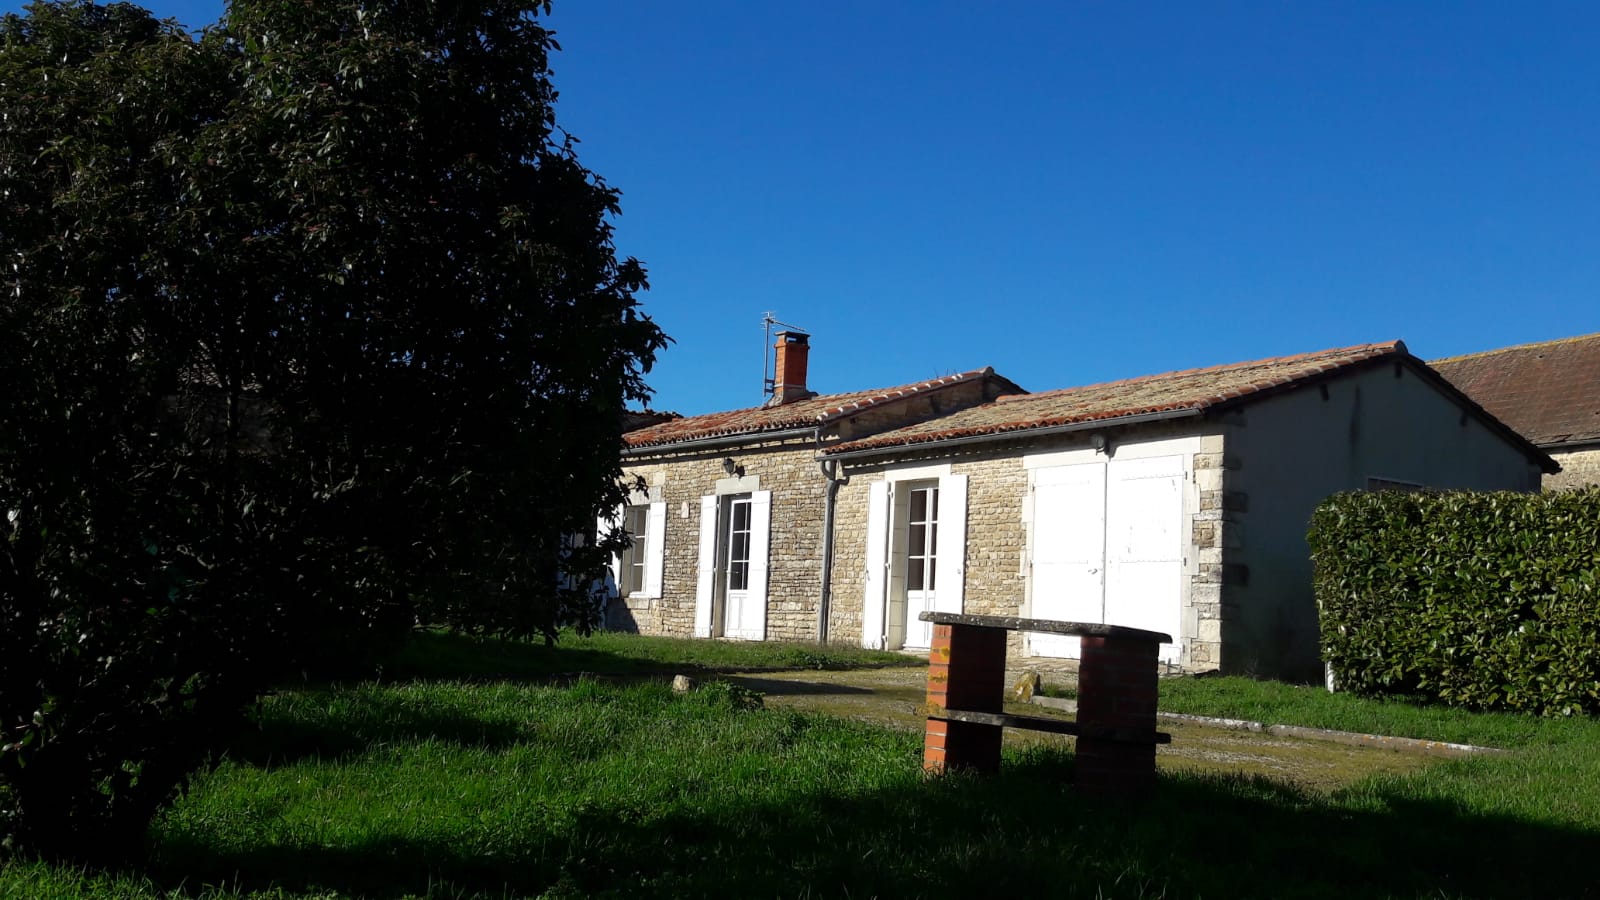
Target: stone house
[
  {"x": 1176, "y": 502},
  {"x": 1549, "y": 391},
  {"x": 731, "y": 520}
]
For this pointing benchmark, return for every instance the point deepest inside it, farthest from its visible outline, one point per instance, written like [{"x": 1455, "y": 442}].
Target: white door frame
[
  {"x": 732, "y": 600},
  {"x": 916, "y": 634},
  {"x": 742, "y": 612},
  {"x": 883, "y": 623},
  {"x": 709, "y": 616}
]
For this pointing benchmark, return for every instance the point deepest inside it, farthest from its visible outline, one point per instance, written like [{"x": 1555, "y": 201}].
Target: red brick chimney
[{"x": 789, "y": 376}]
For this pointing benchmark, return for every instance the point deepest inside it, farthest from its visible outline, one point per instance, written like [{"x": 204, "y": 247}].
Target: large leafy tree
[{"x": 309, "y": 326}]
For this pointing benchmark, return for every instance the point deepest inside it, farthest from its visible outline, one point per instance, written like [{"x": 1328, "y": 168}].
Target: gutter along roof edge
[{"x": 720, "y": 440}]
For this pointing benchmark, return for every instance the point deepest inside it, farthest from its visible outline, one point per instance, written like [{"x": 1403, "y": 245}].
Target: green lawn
[
  {"x": 440, "y": 788},
  {"x": 1286, "y": 704}
]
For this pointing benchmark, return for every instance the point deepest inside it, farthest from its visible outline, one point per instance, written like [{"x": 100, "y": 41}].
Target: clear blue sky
[{"x": 1074, "y": 192}]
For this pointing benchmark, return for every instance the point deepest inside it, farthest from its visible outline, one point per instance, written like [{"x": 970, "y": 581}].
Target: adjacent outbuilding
[{"x": 1549, "y": 391}]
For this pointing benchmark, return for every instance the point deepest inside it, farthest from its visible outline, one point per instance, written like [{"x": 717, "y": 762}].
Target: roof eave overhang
[
  {"x": 717, "y": 441},
  {"x": 1013, "y": 434},
  {"x": 1569, "y": 446}
]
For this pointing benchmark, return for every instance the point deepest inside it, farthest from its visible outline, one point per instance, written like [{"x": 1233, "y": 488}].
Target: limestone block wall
[
  {"x": 1579, "y": 468},
  {"x": 997, "y": 538},
  {"x": 794, "y": 562},
  {"x": 997, "y": 544},
  {"x": 1215, "y": 531},
  {"x": 996, "y": 579},
  {"x": 849, "y": 559}
]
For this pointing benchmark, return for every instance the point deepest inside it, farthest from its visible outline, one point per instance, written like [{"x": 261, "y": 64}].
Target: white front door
[
  {"x": 736, "y": 612},
  {"x": 1107, "y": 547},
  {"x": 921, "y": 562}
]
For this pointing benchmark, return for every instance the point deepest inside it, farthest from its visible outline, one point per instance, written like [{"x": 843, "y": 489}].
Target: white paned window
[
  {"x": 634, "y": 560},
  {"x": 922, "y": 539},
  {"x": 738, "y": 543}
]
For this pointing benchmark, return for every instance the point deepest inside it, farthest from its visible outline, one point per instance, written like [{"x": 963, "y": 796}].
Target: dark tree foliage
[{"x": 309, "y": 328}]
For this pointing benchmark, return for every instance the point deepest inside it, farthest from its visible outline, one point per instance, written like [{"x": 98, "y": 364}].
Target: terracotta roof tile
[
  {"x": 641, "y": 418},
  {"x": 805, "y": 413},
  {"x": 1549, "y": 391},
  {"x": 1192, "y": 389}
]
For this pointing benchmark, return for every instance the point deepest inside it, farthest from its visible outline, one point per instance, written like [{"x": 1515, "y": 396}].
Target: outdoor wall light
[
  {"x": 1099, "y": 443},
  {"x": 727, "y": 465}
]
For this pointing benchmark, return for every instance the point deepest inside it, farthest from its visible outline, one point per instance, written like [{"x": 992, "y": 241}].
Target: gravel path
[{"x": 893, "y": 697}]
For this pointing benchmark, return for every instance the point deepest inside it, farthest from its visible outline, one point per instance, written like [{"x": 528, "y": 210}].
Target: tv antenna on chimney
[{"x": 769, "y": 363}]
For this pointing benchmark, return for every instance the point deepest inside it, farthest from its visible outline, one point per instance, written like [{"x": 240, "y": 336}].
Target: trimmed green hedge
[{"x": 1488, "y": 601}]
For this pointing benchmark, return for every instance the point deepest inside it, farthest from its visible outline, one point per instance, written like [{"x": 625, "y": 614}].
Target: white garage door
[
  {"x": 1107, "y": 546},
  {"x": 1069, "y": 551}
]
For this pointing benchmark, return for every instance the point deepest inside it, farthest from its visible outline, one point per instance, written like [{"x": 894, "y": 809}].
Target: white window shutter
[
  {"x": 760, "y": 532},
  {"x": 655, "y": 548},
  {"x": 707, "y": 562},
  {"x": 603, "y": 527},
  {"x": 877, "y": 575},
  {"x": 952, "y": 547}
]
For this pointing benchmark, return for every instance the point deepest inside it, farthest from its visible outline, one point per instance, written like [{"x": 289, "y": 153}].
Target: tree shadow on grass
[
  {"x": 336, "y": 724},
  {"x": 366, "y": 721},
  {"x": 780, "y": 687},
  {"x": 1024, "y": 830},
  {"x": 373, "y": 719}
]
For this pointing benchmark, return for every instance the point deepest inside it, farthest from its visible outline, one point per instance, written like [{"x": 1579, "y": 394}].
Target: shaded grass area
[
  {"x": 432, "y": 655},
  {"x": 1286, "y": 704},
  {"x": 480, "y": 777},
  {"x": 453, "y": 790}
]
